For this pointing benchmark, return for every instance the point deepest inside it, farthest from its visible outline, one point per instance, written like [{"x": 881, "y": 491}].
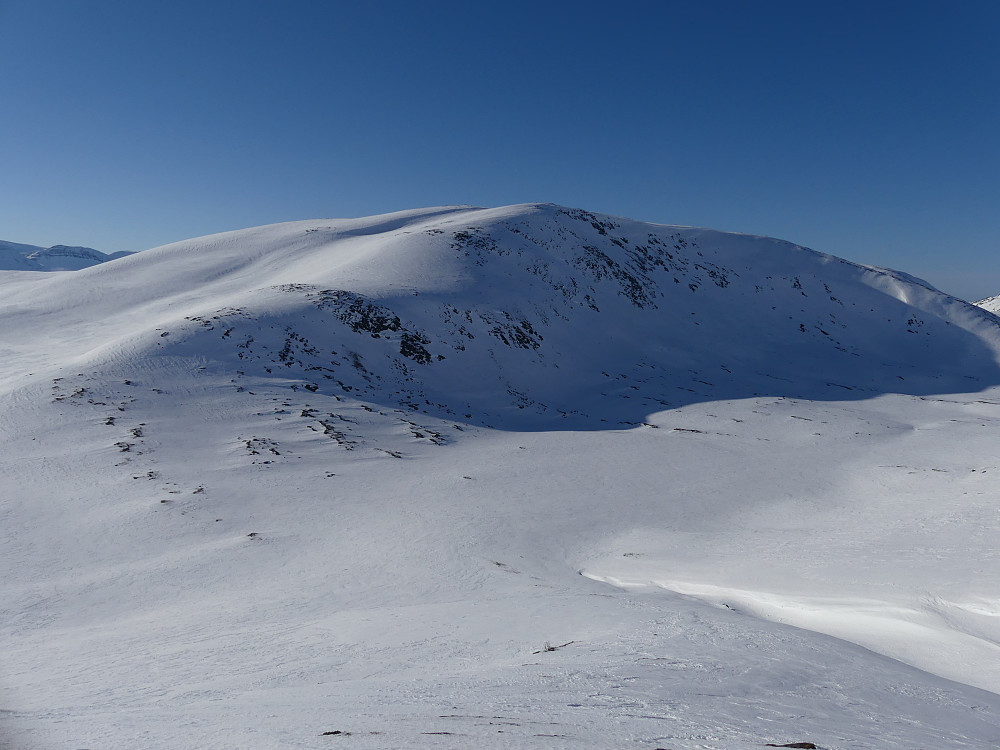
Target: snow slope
[
  {"x": 516, "y": 477},
  {"x": 17, "y": 257},
  {"x": 992, "y": 304}
]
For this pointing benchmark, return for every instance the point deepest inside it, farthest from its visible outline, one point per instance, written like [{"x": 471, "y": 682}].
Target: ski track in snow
[{"x": 527, "y": 477}]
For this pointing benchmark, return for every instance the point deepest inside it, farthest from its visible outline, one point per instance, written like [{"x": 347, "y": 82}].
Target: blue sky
[{"x": 864, "y": 129}]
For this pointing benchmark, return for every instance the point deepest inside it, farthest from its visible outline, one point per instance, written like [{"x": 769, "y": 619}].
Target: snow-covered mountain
[
  {"x": 15, "y": 256},
  {"x": 516, "y": 477},
  {"x": 992, "y": 304}
]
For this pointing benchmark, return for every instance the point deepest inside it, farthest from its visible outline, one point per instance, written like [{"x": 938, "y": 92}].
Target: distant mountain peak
[{"x": 19, "y": 257}]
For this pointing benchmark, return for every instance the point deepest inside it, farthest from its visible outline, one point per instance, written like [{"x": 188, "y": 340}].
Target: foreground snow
[{"x": 242, "y": 508}]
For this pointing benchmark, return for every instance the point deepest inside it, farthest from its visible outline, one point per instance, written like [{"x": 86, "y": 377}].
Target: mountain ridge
[{"x": 15, "y": 256}]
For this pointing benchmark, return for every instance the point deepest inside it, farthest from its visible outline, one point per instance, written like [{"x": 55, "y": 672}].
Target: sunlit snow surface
[{"x": 525, "y": 477}]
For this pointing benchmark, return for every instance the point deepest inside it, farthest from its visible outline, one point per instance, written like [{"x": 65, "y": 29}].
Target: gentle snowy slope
[
  {"x": 17, "y": 257},
  {"x": 525, "y": 477}
]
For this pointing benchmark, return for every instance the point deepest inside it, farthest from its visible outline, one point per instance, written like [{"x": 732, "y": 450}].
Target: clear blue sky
[{"x": 870, "y": 130}]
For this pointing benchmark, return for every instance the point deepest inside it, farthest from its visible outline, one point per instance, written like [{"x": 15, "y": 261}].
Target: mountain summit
[{"x": 532, "y": 315}]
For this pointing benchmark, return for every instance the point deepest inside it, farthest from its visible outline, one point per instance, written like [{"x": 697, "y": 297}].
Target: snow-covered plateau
[{"x": 527, "y": 477}]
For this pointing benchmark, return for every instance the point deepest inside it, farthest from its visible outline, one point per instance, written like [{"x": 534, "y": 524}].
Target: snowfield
[{"x": 527, "y": 477}]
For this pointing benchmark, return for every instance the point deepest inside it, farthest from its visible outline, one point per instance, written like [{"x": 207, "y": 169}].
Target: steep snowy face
[
  {"x": 532, "y": 316},
  {"x": 13, "y": 256}
]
